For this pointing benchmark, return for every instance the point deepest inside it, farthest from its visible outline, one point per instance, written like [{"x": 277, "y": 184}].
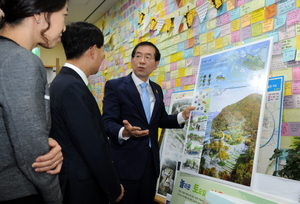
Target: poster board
[{"x": 230, "y": 94}]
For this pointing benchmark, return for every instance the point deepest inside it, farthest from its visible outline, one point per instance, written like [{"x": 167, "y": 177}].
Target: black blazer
[
  {"x": 122, "y": 101},
  {"x": 87, "y": 174}
]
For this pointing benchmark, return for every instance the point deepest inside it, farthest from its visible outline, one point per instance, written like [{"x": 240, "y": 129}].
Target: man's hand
[
  {"x": 186, "y": 112},
  {"x": 121, "y": 195},
  {"x": 50, "y": 162},
  {"x": 133, "y": 131}
]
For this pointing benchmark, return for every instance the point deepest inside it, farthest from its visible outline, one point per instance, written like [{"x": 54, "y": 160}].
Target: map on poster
[
  {"x": 270, "y": 137},
  {"x": 172, "y": 145},
  {"x": 229, "y": 95}
]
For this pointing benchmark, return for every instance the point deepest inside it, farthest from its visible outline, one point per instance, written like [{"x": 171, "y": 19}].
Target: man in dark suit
[
  {"x": 133, "y": 136},
  {"x": 87, "y": 174}
]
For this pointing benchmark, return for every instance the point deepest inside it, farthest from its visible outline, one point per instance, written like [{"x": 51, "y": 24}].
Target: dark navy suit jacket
[
  {"x": 87, "y": 174},
  {"x": 122, "y": 101}
]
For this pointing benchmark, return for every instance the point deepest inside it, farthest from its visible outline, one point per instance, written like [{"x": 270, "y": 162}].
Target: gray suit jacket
[{"x": 24, "y": 125}]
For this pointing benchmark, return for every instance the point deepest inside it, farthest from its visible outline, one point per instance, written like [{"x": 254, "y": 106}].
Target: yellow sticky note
[
  {"x": 227, "y": 40},
  {"x": 298, "y": 3},
  {"x": 173, "y": 57},
  {"x": 179, "y": 56},
  {"x": 235, "y": 25},
  {"x": 203, "y": 39},
  {"x": 174, "y": 74},
  {"x": 197, "y": 51},
  {"x": 186, "y": 87},
  {"x": 246, "y": 20},
  {"x": 211, "y": 46},
  {"x": 256, "y": 29},
  {"x": 167, "y": 67},
  {"x": 211, "y": 24},
  {"x": 287, "y": 73},
  {"x": 291, "y": 115},
  {"x": 257, "y": 15},
  {"x": 285, "y": 141},
  {"x": 180, "y": 64},
  {"x": 219, "y": 43},
  {"x": 209, "y": 36},
  {"x": 190, "y": 33},
  {"x": 246, "y": 8},
  {"x": 268, "y": 25},
  {"x": 297, "y": 55},
  {"x": 181, "y": 72},
  {"x": 177, "y": 82},
  {"x": 298, "y": 42},
  {"x": 168, "y": 85},
  {"x": 160, "y": 79},
  {"x": 203, "y": 49},
  {"x": 188, "y": 71},
  {"x": 287, "y": 88}
]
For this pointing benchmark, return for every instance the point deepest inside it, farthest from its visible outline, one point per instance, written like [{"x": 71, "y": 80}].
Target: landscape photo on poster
[
  {"x": 229, "y": 97},
  {"x": 172, "y": 144}
]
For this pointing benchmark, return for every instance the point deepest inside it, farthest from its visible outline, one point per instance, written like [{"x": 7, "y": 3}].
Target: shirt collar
[
  {"x": 78, "y": 71},
  {"x": 136, "y": 80}
]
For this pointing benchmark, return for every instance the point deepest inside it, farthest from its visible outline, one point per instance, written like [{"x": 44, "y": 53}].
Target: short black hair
[
  {"x": 79, "y": 37},
  {"x": 156, "y": 54}
]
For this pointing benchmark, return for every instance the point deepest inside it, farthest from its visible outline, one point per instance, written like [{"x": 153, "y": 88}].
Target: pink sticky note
[
  {"x": 173, "y": 66},
  {"x": 239, "y": 3},
  {"x": 225, "y": 18},
  {"x": 199, "y": 2},
  {"x": 293, "y": 17},
  {"x": 296, "y": 87},
  {"x": 296, "y": 73},
  {"x": 192, "y": 79},
  {"x": 235, "y": 36},
  {"x": 173, "y": 83},
  {"x": 284, "y": 129}
]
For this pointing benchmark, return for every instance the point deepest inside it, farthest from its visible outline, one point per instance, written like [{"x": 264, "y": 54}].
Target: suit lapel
[{"x": 134, "y": 95}]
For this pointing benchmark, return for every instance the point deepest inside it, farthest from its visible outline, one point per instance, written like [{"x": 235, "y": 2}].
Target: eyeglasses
[{"x": 139, "y": 57}]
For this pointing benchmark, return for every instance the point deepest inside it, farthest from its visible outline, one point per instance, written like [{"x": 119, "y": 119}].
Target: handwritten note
[
  {"x": 246, "y": 20},
  {"x": 288, "y": 102},
  {"x": 277, "y": 63},
  {"x": 235, "y": 36},
  {"x": 235, "y": 25},
  {"x": 225, "y": 29},
  {"x": 279, "y": 21},
  {"x": 294, "y": 129},
  {"x": 286, "y": 33},
  {"x": 246, "y": 32},
  {"x": 293, "y": 17},
  {"x": 268, "y": 25},
  {"x": 289, "y": 54},
  {"x": 257, "y": 29},
  {"x": 285, "y": 6},
  {"x": 246, "y": 8},
  {"x": 257, "y": 15},
  {"x": 296, "y": 87},
  {"x": 270, "y": 11},
  {"x": 284, "y": 129}
]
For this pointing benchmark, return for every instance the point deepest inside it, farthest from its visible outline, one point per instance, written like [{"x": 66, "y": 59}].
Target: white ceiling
[{"x": 88, "y": 10}]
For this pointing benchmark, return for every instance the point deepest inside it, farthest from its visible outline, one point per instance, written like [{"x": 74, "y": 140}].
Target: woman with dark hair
[{"x": 25, "y": 102}]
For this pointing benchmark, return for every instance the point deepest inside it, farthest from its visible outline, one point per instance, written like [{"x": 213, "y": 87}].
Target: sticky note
[
  {"x": 284, "y": 129},
  {"x": 277, "y": 47},
  {"x": 293, "y": 17},
  {"x": 257, "y": 15},
  {"x": 287, "y": 88},
  {"x": 287, "y": 73},
  {"x": 289, "y": 54},
  {"x": 256, "y": 29},
  {"x": 296, "y": 87},
  {"x": 235, "y": 25},
  {"x": 246, "y": 20},
  {"x": 288, "y": 102},
  {"x": 270, "y": 11},
  {"x": 279, "y": 21},
  {"x": 268, "y": 25}
]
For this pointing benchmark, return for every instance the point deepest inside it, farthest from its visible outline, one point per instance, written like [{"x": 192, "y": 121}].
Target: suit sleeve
[
  {"x": 25, "y": 117},
  {"x": 89, "y": 136},
  {"x": 112, "y": 112}
]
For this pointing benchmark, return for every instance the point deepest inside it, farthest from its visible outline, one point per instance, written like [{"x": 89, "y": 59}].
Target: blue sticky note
[
  {"x": 222, "y": 9},
  {"x": 275, "y": 36},
  {"x": 285, "y": 6},
  {"x": 270, "y": 2},
  {"x": 171, "y": 7},
  {"x": 279, "y": 21},
  {"x": 234, "y": 14},
  {"x": 289, "y": 54},
  {"x": 217, "y": 32},
  {"x": 161, "y": 62},
  {"x": 202, "y": 28},
  {"x": 180, "y": 46}
]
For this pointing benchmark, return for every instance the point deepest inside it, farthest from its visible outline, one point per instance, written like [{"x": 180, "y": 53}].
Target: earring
[{"x": 38, "y": 21}]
